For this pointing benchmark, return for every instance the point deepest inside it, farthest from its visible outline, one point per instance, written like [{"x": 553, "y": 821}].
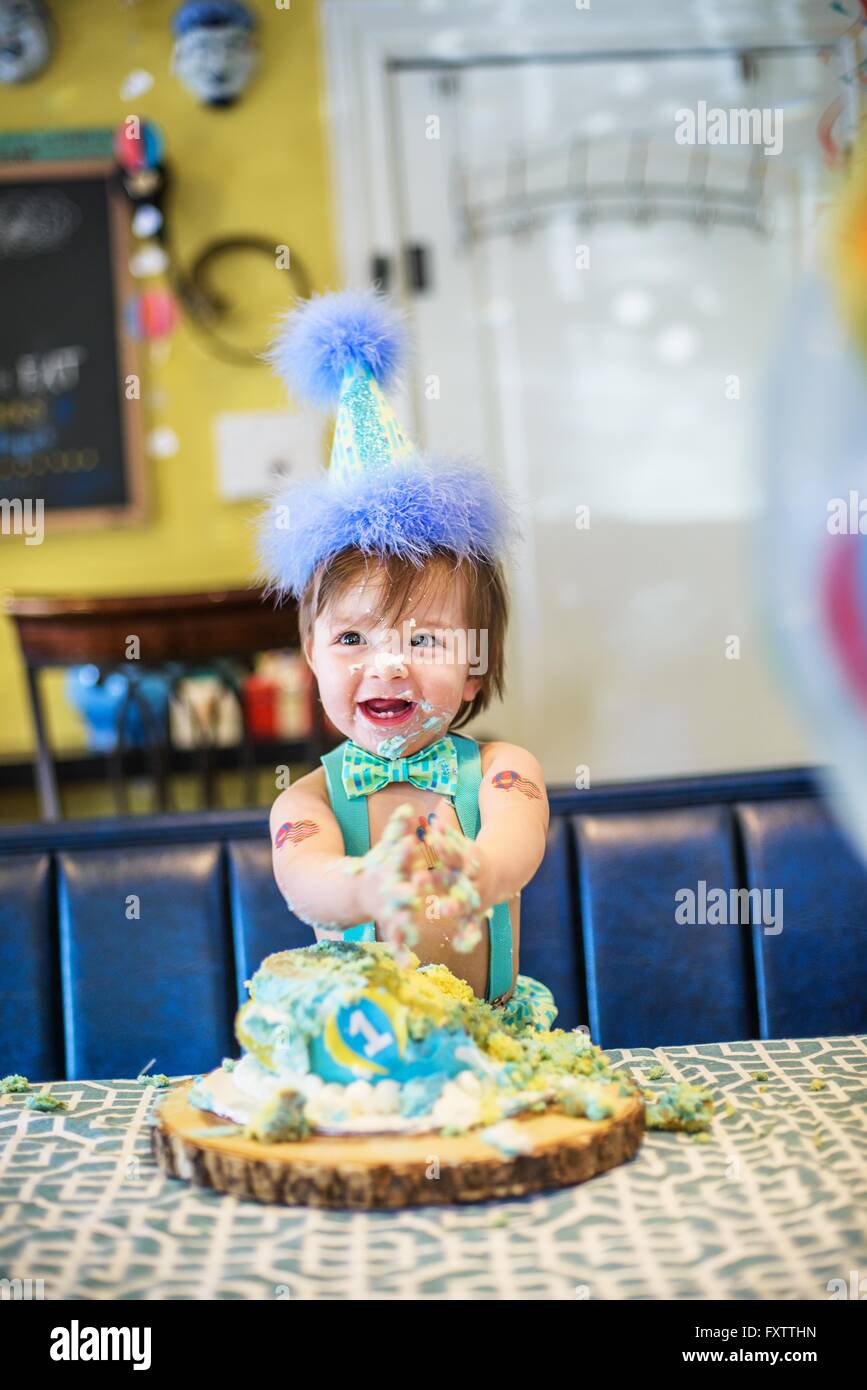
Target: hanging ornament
[
  {"x": 138, "y": 149},
  {"x": 151, "y": 314},
  {"x": 138, "y": 145},
  {"x": 144, "y": 184},
  {"x": 26, "y": 39},
  {"x": 215, "y": 52},
  {"x": 147, "y": 220},
  {"x": 135, "y": 84},
  {"x": 162, "y": 442},
  {"x": 149, "y": 261}
]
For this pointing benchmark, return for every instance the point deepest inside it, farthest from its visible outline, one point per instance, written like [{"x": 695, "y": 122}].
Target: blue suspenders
[{"x": 351, "y": 816}]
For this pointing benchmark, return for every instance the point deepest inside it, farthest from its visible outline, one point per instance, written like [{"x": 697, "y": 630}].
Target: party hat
[
  {"x": 367, "y": 431},
  {"x": 379, "y": 493}
]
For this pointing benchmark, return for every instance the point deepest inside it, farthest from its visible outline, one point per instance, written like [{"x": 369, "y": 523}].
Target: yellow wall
[{"x": 259, "y": 168}]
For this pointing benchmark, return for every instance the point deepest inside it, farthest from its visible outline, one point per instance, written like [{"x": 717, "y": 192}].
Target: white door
[{"x": 595, "y": 302}]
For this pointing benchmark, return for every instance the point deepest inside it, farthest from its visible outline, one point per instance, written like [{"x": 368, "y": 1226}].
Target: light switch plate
[{"x": 256, "y": 448}]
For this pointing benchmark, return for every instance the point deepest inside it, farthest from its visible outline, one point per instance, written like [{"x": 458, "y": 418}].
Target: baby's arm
[
  {"x": 513, "y": 810},
  {"x": 308, "y": 856}
]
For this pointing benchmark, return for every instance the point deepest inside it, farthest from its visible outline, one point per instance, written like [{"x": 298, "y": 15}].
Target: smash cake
[{"x": 340, "y": 1039}]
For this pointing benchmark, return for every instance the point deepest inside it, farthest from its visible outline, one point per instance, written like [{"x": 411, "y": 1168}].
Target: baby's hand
[
  {"x": 459, "y": 876},
  {"x": 387, "y": 887},
  {"x": 402, "y": 890}
]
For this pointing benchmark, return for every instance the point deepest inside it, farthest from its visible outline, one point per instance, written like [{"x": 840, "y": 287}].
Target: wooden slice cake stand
[{"x": 383, "y": 1170}]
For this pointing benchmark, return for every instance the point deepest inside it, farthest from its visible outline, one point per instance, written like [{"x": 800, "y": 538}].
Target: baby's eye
[
  {"x": 430, "y": 642},
  {"x": 342, "y": 643}
]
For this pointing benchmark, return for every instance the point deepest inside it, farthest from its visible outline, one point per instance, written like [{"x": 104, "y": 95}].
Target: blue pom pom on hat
[
  {"x": 378, "y": 494},
  {"x": 325, "y": 337}
]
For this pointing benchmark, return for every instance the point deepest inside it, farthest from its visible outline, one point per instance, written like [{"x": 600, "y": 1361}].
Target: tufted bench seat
[{"x": 126, "y": 940}]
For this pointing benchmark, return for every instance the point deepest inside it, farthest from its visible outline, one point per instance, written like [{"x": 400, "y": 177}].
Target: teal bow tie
[{"x": 434, "y": 768}]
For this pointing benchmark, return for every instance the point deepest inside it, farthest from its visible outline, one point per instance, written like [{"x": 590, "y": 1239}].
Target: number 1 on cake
[{"x": 374, "y": 1041}]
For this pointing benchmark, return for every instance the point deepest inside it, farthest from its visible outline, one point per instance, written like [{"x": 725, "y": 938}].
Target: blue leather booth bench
[{"x": 126, "y": 940}]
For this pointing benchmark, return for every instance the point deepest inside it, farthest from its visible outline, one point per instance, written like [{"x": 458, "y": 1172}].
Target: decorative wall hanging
[
  {"x": 138, "y": 149},
  {"x": 230, "y": 330},
  {"x": 26, "y": 39},
  {"x": 215, "y": 52},
  {"x": 151, "y": 314}
]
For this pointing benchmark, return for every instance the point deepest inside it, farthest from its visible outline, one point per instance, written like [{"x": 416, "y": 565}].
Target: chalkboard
[{"x": 68, "y": 433}]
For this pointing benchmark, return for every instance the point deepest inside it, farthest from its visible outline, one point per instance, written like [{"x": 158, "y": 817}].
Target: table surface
[{"x": 773, "y": 1207}]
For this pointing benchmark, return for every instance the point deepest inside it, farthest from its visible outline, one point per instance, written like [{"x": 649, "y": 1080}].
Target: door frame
[{"x": 363, "y": 40}]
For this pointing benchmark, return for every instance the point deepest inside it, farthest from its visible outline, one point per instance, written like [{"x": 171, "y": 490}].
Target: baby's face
[{"x": 393, "y": 690}]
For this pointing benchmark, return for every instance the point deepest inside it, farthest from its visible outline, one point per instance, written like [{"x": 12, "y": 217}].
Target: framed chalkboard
[{"x": 70, "y": 430}]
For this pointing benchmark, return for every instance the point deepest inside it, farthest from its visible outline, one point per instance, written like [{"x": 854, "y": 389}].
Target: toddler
[{"x": 409, "y": 832}]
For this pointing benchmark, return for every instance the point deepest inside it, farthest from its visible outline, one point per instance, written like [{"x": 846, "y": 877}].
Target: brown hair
[{"x": 486, "y": 593}]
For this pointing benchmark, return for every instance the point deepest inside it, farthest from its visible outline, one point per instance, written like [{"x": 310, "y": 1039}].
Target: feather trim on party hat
[{"x": 379, "y": 494}]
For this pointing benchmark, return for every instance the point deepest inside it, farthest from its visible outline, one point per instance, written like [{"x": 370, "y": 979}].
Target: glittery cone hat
[{"x": 379, "y": 494}]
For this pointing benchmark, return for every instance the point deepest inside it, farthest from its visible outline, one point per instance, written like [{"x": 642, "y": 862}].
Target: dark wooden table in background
[{"x": 188, "y": 629}]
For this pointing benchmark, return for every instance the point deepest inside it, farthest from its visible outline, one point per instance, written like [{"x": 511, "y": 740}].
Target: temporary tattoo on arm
[
  {"x": 505, "y": 781},
  {"x": 295, "y": 831}
]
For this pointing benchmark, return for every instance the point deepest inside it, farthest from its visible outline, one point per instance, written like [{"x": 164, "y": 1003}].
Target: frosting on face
[{"x": 422, "y": 664}]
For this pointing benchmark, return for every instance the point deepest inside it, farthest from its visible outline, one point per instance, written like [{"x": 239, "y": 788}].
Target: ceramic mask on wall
[
  {"x": 215, "y": 51},
  {"x": 25, "y": 39}
]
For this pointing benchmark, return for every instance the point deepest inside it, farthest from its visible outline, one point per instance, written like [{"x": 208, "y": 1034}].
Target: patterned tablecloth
[{"x": 774, "y": 1206}]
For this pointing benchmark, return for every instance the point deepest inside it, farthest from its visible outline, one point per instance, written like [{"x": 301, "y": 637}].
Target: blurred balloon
[
  {"x": 814, "y": 551},
  {"x": 848, "y": 249}
]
